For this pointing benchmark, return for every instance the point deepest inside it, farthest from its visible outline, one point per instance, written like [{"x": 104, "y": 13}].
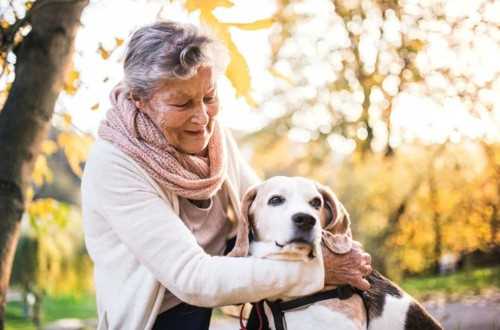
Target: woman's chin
[{"x": 197, "y": 148}]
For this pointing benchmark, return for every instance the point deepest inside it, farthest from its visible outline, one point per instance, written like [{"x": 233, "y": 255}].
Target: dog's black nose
[{"x": 304, "y": 221}]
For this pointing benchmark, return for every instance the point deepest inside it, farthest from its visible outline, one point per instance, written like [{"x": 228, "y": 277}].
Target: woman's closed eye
[
  {"x": 181, "y": 105},
  {"x": 209, "y": 99}
]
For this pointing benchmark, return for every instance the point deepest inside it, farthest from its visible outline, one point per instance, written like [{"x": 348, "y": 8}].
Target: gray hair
[{"x": 168, "y": 50}]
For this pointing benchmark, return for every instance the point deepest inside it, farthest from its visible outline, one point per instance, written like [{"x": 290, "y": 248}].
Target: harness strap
[
  {"x": 278, "y": 307},
  {"x": 278, "y": 315},
  {"x": 341, "y": 292},
  {"x": 364, "y": 298}
]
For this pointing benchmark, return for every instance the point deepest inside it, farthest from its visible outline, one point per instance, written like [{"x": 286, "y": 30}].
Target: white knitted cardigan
[{"x": 140, "y": 247}]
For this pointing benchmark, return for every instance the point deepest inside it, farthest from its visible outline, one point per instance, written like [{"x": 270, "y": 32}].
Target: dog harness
[{"x": 279, "y": 307}]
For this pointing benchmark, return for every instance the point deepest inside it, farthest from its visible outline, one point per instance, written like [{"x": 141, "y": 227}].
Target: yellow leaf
[
  {"x": 237, "y": 71},
  {"x": 18, "y": 38},
  {"x": 256, "y": 25},
  {"x": 415, "y": 45},
  {"x": 48, "y": 147},
  {"x": 29, "y": 195},
  {"x": 4, "y": 24},
  {"x": 95, "y": 107},
  {"x": 75, "y": 148},
  {"x": 41, "y": 171},
  {"x": 119, "y": 41},
  {"x": 207, "y": 5},
  {"x": 4, "y": 93},
  {"x": 281, "y": 76},
  {"x": 103, "y": 52},
  {"x": 496, "y": 157},
  {"x": 378, "y": 78},
  {"x": 71, "y": 82},
  {"x": 67, "y": 119},
  {"x": 42, "y": 207}
]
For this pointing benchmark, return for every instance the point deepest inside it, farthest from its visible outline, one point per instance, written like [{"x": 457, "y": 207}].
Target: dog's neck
[{"x": 269, "y": 250}]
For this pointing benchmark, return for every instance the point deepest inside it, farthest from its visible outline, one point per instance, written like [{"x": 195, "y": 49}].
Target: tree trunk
[
  {"x": 436, "y": 219},
  {"x": 438, "y": 241},
  {"x": 37, "y": 310},
  {"x": 494, "y": 203},
  {"x": 42, "y": 59}
]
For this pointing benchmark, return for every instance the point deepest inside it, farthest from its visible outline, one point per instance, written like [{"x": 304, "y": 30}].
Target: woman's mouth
[{"x": 196, "y": 133}]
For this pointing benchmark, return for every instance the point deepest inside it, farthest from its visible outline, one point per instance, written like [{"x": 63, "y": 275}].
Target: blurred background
[{"x": 394, "y": 104}]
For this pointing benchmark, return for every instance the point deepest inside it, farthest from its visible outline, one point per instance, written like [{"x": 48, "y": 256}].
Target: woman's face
[{"x": 185, "y": 110}]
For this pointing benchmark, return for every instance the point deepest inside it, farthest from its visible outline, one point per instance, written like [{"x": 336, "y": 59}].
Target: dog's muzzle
[{"x": 303, "y": 221}]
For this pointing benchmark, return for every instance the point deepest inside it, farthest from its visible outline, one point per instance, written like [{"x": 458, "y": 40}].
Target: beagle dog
[{"x": 289, "y": 218}]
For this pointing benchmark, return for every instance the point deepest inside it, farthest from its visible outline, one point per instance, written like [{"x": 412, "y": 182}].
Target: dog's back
[{"x": 389, "y": 307}]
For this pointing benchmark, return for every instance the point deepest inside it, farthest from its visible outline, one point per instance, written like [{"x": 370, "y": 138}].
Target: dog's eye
[
  {"x": 276, "y": 200},
  {"x": 315, "y": 202}
]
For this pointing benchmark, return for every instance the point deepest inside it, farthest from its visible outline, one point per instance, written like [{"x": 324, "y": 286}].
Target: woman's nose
[{"x": 201, "y": 117}]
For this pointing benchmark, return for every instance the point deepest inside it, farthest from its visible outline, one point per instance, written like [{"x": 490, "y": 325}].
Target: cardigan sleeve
[{"x": 147, "y": 225}]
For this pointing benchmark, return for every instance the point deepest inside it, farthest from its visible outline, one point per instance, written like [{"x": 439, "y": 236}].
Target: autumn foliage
[{"x": 341, "y": 73}]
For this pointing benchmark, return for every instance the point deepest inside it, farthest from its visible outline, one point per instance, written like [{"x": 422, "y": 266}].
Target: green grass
[
  {"x": 54, "y": 308},
  {"x": 472, "y": 282}
]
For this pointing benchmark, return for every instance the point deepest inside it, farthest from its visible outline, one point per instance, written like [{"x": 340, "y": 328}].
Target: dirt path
[{"x": 473, "y": 313}]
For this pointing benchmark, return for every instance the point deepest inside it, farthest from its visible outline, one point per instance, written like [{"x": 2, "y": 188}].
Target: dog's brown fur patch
[
  {"x": 375, "y": 296},
  {"x": 417, "y": 318},
  {"x": 352, "y": 308}
]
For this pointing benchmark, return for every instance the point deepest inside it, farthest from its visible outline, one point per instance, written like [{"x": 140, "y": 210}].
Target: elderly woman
[{"x": 159, "y": 189}]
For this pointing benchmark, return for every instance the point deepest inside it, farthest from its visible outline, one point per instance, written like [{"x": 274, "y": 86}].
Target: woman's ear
[
  {"x": 336, "y": 223},
  {"x": 242, "y": 245},
  {"x": 137, "y": 101},
  {"x": 139, "y": 105}
]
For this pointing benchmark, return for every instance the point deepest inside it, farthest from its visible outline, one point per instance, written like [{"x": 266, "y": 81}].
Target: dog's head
[{"x": 291, "y": 212}]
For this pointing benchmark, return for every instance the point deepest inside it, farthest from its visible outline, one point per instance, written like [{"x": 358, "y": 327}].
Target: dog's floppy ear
[
  {"x": 242, "y": 244},
  {"x": 336, "y": 223}
]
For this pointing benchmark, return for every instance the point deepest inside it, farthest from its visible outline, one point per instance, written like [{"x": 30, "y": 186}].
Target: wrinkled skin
[
  {"x": 185, "y": 110},
  {"x": 348, "y": 268}
]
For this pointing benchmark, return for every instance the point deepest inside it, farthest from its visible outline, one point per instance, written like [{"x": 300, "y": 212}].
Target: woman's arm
[{"x": 147, "y": 225}]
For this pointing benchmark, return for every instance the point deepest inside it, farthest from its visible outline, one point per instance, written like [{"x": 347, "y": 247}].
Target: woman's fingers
[
  {"x": 366, "y": 270},
  {"x": 361, "y": 284},
  {"x": 366, "y": 267},
  {"x": 357, "y": 244},
  {"x": 367, "y": 258}
]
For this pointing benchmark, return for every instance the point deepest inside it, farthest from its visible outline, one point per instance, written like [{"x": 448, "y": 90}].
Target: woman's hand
[{"x": 348, "y": 268}]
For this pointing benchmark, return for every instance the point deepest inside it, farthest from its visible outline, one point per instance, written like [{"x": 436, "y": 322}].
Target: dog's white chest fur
[{"x": 314, "y": 317}]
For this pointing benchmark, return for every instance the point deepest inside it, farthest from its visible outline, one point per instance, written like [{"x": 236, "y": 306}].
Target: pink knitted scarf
[{"x": 189, "y": 176}]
